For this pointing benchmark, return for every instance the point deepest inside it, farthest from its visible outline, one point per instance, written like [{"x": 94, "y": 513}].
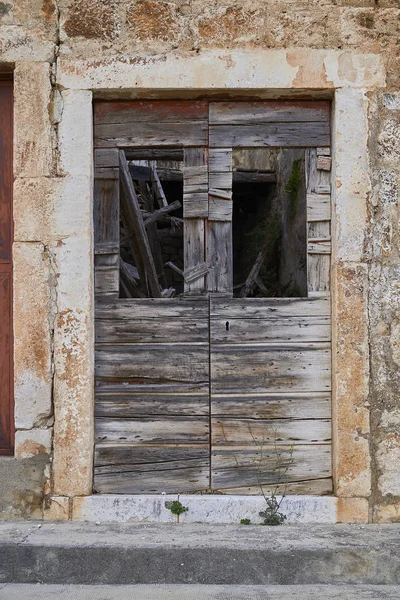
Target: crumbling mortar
[
  {"x": 55, "y": 104},
  {"x": 52, "y": 317}
]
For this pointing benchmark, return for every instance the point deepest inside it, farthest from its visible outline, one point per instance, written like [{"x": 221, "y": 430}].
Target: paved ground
[
  {"x": 197, "y": 592},
  {"x": 195, "y": 554}
]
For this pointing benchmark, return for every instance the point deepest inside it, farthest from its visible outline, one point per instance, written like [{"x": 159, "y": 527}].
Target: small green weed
[
  {"x": 177, "y": 508},
  {"x": 245, "y": 521}
]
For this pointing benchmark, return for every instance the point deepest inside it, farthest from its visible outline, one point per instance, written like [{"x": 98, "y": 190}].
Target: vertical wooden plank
[
  {"x": 6, "y": 235},
  {"x": 106, "y": 236},
  {"x": 318, "y": 220},
  {"x": 195, "y": 210},
  {"x": 219, "y": 227}
]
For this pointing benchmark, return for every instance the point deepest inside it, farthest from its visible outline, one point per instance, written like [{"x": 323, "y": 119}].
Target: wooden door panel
[{"x": 180, "y": 379}]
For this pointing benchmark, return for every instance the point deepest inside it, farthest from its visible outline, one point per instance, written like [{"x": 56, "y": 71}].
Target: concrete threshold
[
  {"x": 198, "y": 592},
  {"x": 169, "y": 554}
]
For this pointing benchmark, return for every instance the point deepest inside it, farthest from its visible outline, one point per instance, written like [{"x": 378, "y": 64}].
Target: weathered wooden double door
[{"x": 205, "y": 391}]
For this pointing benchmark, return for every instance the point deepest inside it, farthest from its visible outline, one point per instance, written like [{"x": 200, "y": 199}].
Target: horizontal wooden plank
[
  {"x": 320, "y": 247},
  {"x": 106, "y": 157},
  {"x": 145, "y": 111},
  {"x": 155, "y": 308},
  {"x": 273, "y": 367},
  {"x": 310, "y": 487},
  {"x": 106, "y": 279},
  {"x": 220, "y": 160},
  {"x": 318, "y": 207},
  {"x": 160, "y": 430},
  {"x": 319, "y": 230},
  {"x": 131, "y": 454},
  {"x": 273, "y": 329},
  {"x": 254, "y": 433},
  {"x": 221, "y": 180},
  {"x": 106, "y": 173},
  {"x": 264, "y": 308},
  {"x": 219, "y": 210},
  {"x": 238, "y": 466},
  {"x": 289, "y": 135},
  {"x": 153, "y": 362},
  {"x": 166, "y": 467},
  {"x": 125, "y": 404},
  {"x": 171, "y": 481},
  {"x": 190, "y": 133},
  {"x": 133, "y": 331},
  {"x": 312, "y": 405},
  {"x": 195, "y": 205},
  {"x": 243, "y": 113}
]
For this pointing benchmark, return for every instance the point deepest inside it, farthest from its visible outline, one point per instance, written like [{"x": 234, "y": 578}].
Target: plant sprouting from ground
[
  {"x": 245, "y": 521},
  {"x": 176, "y": 507},
  {"x": 283, "y": 461}
]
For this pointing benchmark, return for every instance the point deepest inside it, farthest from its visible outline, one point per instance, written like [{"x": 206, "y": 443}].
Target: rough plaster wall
[{"x": 40, "y": 30}]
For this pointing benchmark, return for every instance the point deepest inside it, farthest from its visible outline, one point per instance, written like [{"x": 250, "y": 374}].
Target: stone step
[
  {"x": 124, "y": 553},
  {"x": 198, "y": 592}
]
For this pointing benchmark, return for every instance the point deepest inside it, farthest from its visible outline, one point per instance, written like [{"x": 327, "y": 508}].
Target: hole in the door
[
  {"x": 157, "y": 180},
  {"x": 269, "y": 223}
]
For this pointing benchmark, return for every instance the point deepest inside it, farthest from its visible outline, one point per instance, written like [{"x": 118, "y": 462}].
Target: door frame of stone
[{"x": 344, "y": 77}]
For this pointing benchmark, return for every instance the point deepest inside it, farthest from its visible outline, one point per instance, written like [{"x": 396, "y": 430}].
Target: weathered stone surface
[
  {"x": 387, "y": 513},
  {"x": 389, "y": 147},
  {"x": 31, "y": 442},
  {"x": 73, "y": 379},
  {"x": 33, "y": 154},
  {"x": 258, "y": 70},
  {"x": 75, "y": 134},
  {"x": 351, "y": 365},
  {"x": 352, "y": 184},
  {"x": 388, "y": 458},
  {"x": 217, "y": 509},
  {"x": 22, "y": 487},
  {"x": 45, "y": 208},
  {"x": 32, "y": 335},
  {"x": 56, "y": 508}
]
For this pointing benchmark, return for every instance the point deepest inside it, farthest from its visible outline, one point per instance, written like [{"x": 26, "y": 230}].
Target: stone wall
[{"x": 52, "y": 158}]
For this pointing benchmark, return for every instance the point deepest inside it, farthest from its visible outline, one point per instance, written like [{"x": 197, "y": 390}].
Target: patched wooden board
[
  {"x": 174, "y": 478},
  {"x": 153, "y": 362},
  {"x": 123, "y": 403},
  {"x": 219, "y": 255},
  {"x": 134, "y": 135},
  {"x": 249, "y": 433},
  {"x": 244, "y": 113},
  {"x": 238, "y": 466},
  {"x": 270, "y": 367},
  {"x": 132, "y": 331},
  {"x": 156, "y": 308},
  {"x": 310, "y": 405},
  {"x": 107, "y": 455},
  {"x": 153, "y": 430},
  {"x": 273, "y": 329},
  {"x": 314, "y": 487},
  {"x": 264, "y": 308},
  {"x": 318, "y": 207},
  {"x": 288, "y": 135},
  {"x": 154, "y": 111}
]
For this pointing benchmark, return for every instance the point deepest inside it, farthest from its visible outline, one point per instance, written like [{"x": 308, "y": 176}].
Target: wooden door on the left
[
  {"x": 152, "y": 401},
  {"x": 6, "y": 347}
]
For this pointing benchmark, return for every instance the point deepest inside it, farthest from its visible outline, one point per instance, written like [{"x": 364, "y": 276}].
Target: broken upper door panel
[{"x": 224, "y": 198}]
